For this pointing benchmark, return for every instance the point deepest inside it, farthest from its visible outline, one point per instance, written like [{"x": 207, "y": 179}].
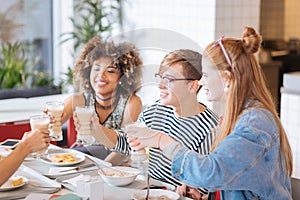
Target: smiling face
[
  {"x": 212, "y": 82},
  {"x": 173, "y": 92},
  {"x": 104, "y": 77}
]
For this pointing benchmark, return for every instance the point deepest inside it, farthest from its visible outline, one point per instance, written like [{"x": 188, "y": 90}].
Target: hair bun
[{"x": 251, "y": 40}]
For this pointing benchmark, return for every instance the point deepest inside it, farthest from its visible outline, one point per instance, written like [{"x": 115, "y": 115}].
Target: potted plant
[
  {"x": 18, "y": 76},
  {"x": 91, "y": 18},
  {"x": 14, "y": 68}
]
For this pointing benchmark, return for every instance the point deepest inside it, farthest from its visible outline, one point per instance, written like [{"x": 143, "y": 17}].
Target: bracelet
[{"x": 158, "y": 142}]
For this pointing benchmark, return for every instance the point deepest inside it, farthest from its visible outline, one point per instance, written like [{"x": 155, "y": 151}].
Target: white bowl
[
  {"x": 140, "y": 195},
  {"x": 119, "y": 176}
]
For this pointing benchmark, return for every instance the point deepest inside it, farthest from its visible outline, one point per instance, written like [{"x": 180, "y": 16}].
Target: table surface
[
  {"x": 20, "y": 109},
  {"x": 110, "y": 192}
]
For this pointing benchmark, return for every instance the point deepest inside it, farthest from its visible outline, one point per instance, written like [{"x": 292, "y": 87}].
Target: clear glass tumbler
[
  {"x": 39, "y": 122},
  {"x": 139, "y": 159},
  {"x": 84, "y": 114},
  {"x": 55, "y": 109}
]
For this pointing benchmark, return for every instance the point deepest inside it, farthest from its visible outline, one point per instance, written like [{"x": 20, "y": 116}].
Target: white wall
[
  {"x": 232, "y": 16},
  {"x": 185, "y": 24},
  {"x": 158, "y": 27}
]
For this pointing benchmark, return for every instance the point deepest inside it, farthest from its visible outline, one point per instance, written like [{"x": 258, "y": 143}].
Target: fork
[{"x": 78, "y": 168}]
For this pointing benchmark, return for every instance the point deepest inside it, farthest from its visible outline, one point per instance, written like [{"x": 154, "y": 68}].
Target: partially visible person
[
  {"x": 251, "y": 157},
  {"x": 108, "y": 76},
  {"x": 177, "y": 114},
  {"x": 30, "y": 143}
]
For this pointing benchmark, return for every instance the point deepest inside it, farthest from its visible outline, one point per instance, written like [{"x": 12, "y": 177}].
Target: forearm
[
  {"x": 11, "y": 163},
  {"x": 107, "y": 137}
]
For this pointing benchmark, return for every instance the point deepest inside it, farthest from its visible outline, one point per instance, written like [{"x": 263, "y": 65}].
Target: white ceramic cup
[{"x": 55, "y": 109}]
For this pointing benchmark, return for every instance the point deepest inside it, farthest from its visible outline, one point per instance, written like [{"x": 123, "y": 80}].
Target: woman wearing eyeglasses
[
  {"x": 177, "y": 114},
  {"x": 251, "y": 157},
  {"x": 108, "y": 76}
]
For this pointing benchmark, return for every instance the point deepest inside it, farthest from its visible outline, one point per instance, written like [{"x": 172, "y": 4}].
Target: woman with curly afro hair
[{"x": 108, "y": 75}]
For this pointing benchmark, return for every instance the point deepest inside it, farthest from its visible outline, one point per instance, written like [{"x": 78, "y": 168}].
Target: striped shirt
[{"x": 193, "y": 132}]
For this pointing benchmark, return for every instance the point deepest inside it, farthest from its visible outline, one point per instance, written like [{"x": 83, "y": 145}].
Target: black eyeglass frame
[{"x": 172, "y": 79}]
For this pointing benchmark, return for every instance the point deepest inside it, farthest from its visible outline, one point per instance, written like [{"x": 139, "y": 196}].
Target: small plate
[
  {"x": 8, "y": 184},
  {"x": 140, "y": 195},
  {"x": 79, "y": 158}
]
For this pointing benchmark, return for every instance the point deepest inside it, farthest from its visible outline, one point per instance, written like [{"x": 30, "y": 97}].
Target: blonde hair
[
  {"x": 190, "y": 61},
  {"x": 247, "y": 81}
]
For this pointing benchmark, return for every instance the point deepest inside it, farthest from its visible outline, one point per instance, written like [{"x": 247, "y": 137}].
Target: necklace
[
  {"x": 104, "y": 99},
  {"x": 98, "y": 105}
]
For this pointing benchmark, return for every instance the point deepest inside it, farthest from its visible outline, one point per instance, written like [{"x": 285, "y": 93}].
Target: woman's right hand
[
  {"x": 36, "y": 140},
  {"x": 190, "y": 192}
]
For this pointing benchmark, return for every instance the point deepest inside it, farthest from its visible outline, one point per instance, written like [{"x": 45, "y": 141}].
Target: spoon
[
  {"x": 148, "y": 187},
  {"x": 97, "y": 165}
]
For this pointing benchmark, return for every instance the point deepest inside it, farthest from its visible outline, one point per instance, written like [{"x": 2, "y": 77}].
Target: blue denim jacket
[{"x": 247, "y": 164}]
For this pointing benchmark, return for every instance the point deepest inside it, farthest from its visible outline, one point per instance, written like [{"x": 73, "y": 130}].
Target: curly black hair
[
  {"x": 125, "y": 58},
  {"x": 78, "y": 82}
]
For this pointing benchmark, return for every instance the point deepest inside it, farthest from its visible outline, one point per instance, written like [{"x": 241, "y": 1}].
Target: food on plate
[
  {"x": 115, "y": 173},
  {"x": 156, "y": 194},
  {"x": 16, "y": 181},
  {"x": 118, "y": 175},
  {"x": 64, "y": 158}
]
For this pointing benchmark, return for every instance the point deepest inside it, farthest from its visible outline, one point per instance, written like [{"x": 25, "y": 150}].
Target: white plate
[
  {"x": 8, "y": 186},
  {"x": 155, "y": 193},
  {"x": 79, "y": 158}
]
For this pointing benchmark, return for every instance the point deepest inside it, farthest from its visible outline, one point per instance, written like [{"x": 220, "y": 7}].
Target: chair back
[
  {"x": 13, "y": 130},
  {"x": 71, "y": 133}
]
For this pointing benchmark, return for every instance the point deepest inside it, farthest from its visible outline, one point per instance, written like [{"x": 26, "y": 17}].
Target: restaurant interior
[{"x": 156, "y": 27}]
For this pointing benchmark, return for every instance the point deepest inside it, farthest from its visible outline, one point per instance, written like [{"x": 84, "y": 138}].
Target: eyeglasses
[
  {"x": 160, "y": 78},
  {"x": 219, "y": 42}
]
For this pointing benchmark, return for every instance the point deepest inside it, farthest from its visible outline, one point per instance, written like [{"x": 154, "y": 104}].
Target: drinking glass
[
  {"x": 55, "y": 109},
  {"x": 139, "y": 159},
  {"x": 39, "y": 122},
  {"x": 84, "y": 114}
]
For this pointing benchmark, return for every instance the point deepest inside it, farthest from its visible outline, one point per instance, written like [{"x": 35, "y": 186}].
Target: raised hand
[{"x": 140, "y": 137}]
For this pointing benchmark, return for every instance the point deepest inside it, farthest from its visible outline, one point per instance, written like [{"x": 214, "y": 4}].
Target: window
[{"x": 30, "y": 22}]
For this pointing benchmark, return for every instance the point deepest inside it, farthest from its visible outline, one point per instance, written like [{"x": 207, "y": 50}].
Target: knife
[
  {"x": 79, "y": 167},
  {"x": 46, "y": 159}
]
